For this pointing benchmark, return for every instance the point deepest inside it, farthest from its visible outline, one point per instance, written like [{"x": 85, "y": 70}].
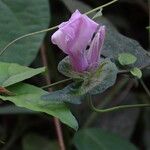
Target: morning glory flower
[{"x": 74, "y": 36}]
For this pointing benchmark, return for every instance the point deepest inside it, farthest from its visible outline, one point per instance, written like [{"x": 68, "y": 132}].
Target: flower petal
[
  {"x": 80, "y": 30},
  {"x": 78, "y": 61},
  {"x": 61, "y": 40},
  {"x": 93, "y": 54}
]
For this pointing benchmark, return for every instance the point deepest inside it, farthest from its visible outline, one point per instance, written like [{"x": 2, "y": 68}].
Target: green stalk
[
  {"x": 116, "y": 108},
  {"x": 106, "y": 100},
  {"x": 24, "y": 36},
  {"x": 56, "y": 83},
  {"x": 99, "y": 7}
]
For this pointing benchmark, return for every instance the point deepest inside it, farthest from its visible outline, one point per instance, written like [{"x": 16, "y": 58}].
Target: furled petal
[
  {"x": 74, "y": 34},
  {"x": 78, "y": 61},
  {"x": 93, "y": 54},
  {"x": 60, "y": 39},
  {"x": 73, "y": 38},
  {"x": 74, "y": 16},
  {"x": 80, "y": 31}
]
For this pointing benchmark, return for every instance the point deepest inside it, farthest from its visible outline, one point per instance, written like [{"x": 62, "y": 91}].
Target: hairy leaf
[{"x": 93, "y": 82}]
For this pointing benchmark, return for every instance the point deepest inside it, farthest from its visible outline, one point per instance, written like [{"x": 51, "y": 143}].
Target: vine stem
[
  {"x": 56, "y": 121},
  {"x": 56, "y": 83},
  {"x": 26, "y": 35},
  {"x": 116, "y": 108},
  {"x": 50, "y": 29},
  {"x": 99, "y": 7}
]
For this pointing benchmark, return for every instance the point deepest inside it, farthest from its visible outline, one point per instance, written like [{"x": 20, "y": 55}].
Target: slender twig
[
  {"x": 56, "y": 121},
  {"x": 56, "y": 83},
  {"x": 145, "y": 87},
  {"x": 98, "y": 8},
  {"x": 49, "y": 29},
  {"x": 24, "y": 36},
  {"x": 116, "y": 108}
]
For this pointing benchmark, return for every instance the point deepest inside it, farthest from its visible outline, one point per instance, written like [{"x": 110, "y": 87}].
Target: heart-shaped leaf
[
  {"x": 19, "y": 17},
  {"x": 11, "y": 73},
  {"x": 29, "y": 96},
  {"x": 93, "y": 82}
]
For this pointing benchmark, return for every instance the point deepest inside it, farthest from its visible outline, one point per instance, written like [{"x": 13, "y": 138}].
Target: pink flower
[{"x": 75, "y": 35}]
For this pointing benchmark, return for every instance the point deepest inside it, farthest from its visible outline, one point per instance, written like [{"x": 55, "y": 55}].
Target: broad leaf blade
[
  {"x": 29, "y": 96},
  {"x": 94, "y": 82},
  {"x": 97, "y": 139},
  {"x": 13, "y": 73},
  {"x": 69, "y": 94},
  {"x": 19, "y": 17}
]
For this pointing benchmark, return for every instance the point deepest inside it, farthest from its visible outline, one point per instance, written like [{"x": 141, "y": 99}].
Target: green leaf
[
  {"x": 126, "y": 59},
  {"x": 93, "y": 82},
  {"x": 19, "y": 17},
  {"x": 37, "y": 142},
  {"x": 136, "y": 72},
  {"x": 69, "y": 94},
  {"x": 107, "y": 77},
  {"x": 97, "y": 139},
  {"x": 29, "y": 96},
  {"x": 13, "y": 73},
  {"x": 12, "y": 109}
]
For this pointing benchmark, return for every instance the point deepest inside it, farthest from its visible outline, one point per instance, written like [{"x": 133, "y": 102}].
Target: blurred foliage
[{"x": 131, "y": 19}]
